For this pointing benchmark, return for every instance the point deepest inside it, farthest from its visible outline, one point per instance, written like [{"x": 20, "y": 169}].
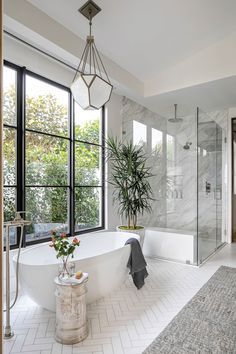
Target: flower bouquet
[{"x": 64, "y": 249}]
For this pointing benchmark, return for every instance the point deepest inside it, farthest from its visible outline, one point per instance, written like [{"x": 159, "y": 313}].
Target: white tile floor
[{"x": 124, "y": 322}]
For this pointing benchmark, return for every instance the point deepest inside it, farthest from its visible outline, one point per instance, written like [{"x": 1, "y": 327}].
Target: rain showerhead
[
  {"x": 187, "y": 145},
  {"x": 175, "y": 119}
]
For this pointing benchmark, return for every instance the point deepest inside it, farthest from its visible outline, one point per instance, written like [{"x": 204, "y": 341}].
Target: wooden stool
[{"x": 71, "y": 319}]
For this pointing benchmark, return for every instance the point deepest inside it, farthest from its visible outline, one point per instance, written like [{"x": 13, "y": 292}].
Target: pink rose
[{"x": 75, "y": 241}]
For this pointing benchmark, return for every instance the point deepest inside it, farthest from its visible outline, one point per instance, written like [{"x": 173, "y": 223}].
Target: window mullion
[
  {"x": 103, "y": 168},
  {"x": 71, "y": 167},
  {"x": 20, "y": 145}
]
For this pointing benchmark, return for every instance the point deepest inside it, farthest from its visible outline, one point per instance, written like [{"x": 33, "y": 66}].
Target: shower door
[
  {"x": 219, "y": 183},
  {"x": 209, "y": 213}
]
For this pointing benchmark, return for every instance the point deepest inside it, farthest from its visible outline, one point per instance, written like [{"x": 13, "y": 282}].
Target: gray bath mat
[{"x": 207, "y": 324}]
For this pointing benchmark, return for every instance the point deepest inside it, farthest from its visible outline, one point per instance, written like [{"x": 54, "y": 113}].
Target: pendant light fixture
[{"x": 91, "y": 87}]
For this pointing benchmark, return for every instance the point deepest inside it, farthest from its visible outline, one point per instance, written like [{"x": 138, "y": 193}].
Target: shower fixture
[
  {"x": 175, "y": 119},
  {"x": 187, "y": 145},
  {"x": 17, "y": 222}
]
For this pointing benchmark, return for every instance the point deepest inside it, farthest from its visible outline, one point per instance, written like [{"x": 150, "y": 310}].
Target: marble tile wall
[
  {"x": 183, "y": 212},
  {"x": 133, "y": 113},
  {"x": 177, "y": 172}
]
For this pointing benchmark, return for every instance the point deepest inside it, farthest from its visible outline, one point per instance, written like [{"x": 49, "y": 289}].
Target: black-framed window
[{"x": 53, "y": 157}]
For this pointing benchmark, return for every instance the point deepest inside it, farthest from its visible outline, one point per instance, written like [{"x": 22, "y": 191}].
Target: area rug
[{"x": 207, "y": 324}]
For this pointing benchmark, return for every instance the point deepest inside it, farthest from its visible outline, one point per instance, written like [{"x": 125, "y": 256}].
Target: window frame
[{"x": 21, "y": 131}]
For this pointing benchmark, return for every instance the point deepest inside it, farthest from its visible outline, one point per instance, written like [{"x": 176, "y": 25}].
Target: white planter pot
[{"x": 140, "y": 232}]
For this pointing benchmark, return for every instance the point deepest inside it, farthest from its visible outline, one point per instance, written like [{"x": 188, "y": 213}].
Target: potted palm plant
[{"x": 130, "y": 179}]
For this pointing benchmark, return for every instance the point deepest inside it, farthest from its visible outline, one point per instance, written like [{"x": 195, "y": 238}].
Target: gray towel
[{"x": 136, "y": 263}]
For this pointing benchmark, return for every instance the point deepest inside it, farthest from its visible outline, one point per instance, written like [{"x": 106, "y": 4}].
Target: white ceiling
[
  {"x": 214, "y": 95},
  {"x": 148, "y": 37}
]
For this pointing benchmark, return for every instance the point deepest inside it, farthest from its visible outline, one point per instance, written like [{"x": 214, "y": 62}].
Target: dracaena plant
[{"x": 130, "y": 178}]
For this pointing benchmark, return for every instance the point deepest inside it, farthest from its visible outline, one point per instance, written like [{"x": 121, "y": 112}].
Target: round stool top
[{"x": 72, "y": 281}]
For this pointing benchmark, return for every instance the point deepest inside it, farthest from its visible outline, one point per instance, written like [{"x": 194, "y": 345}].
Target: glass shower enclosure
[
  {"x": 196, "y": 180},
  {"x": 188, "y": 161},
  {"x": 210, "y": 186}
]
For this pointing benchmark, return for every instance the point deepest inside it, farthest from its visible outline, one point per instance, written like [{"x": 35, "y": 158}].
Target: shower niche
[{"x": 174, "y": 186}]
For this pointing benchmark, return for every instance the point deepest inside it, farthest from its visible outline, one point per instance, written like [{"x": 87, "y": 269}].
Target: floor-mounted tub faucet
[{"x": 18, "y": 221}]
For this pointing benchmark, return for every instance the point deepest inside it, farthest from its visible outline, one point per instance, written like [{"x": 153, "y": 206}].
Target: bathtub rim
[{"x": 57, "y": 261}]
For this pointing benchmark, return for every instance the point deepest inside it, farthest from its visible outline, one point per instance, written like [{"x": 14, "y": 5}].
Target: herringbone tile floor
[{"x": 125, "y": 322}]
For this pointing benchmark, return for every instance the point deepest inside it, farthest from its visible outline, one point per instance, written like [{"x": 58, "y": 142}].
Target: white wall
[
  {"x": 22, "y": 55},
  {"x": 113, "y": 128}
]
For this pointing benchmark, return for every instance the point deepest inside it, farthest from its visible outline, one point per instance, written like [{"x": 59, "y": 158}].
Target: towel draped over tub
[{"x": 136, "y": 263}]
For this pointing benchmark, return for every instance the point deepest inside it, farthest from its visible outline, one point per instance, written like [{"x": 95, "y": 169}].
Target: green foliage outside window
[{"x": 47, "y": 160}]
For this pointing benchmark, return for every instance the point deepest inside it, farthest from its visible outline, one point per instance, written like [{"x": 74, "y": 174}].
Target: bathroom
[
  {"x": 183, "y": 185},
  {"x": 174, "y": 221},
  {"x": 56, "y": 172}
]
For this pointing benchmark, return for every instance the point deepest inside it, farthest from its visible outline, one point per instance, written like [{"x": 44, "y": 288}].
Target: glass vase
[
  {"x": 71, "y": 268},
  {"x": 63, "y": 270}
]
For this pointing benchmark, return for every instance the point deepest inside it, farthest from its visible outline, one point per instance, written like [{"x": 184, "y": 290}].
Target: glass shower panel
[
  {"x": 219, "y": 184},
  {"x": 234, "y": 181},
  {"x": 209, "y": 186},
  {"x": 206, "y": 187},
  {"x": 181, "y": 179}
]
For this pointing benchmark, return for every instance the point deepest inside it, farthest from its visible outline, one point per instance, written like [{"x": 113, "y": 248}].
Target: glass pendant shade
[
  {"x": 90, "y": 91},
  {"x": 91, "y": 87}
]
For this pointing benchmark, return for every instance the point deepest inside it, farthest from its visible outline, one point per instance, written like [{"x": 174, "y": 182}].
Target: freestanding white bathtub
[
  {"x": 103, "y": 255},
  {"x": 171, "y": 244}
]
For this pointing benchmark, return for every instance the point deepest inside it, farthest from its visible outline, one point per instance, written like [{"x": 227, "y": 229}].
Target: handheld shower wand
[{"x": 17, "y": 222}]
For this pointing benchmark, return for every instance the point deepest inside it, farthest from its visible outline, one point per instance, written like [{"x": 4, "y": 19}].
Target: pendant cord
[
  {"x": 90, "y": 23},
  {"x": 90, "y": 46}
]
